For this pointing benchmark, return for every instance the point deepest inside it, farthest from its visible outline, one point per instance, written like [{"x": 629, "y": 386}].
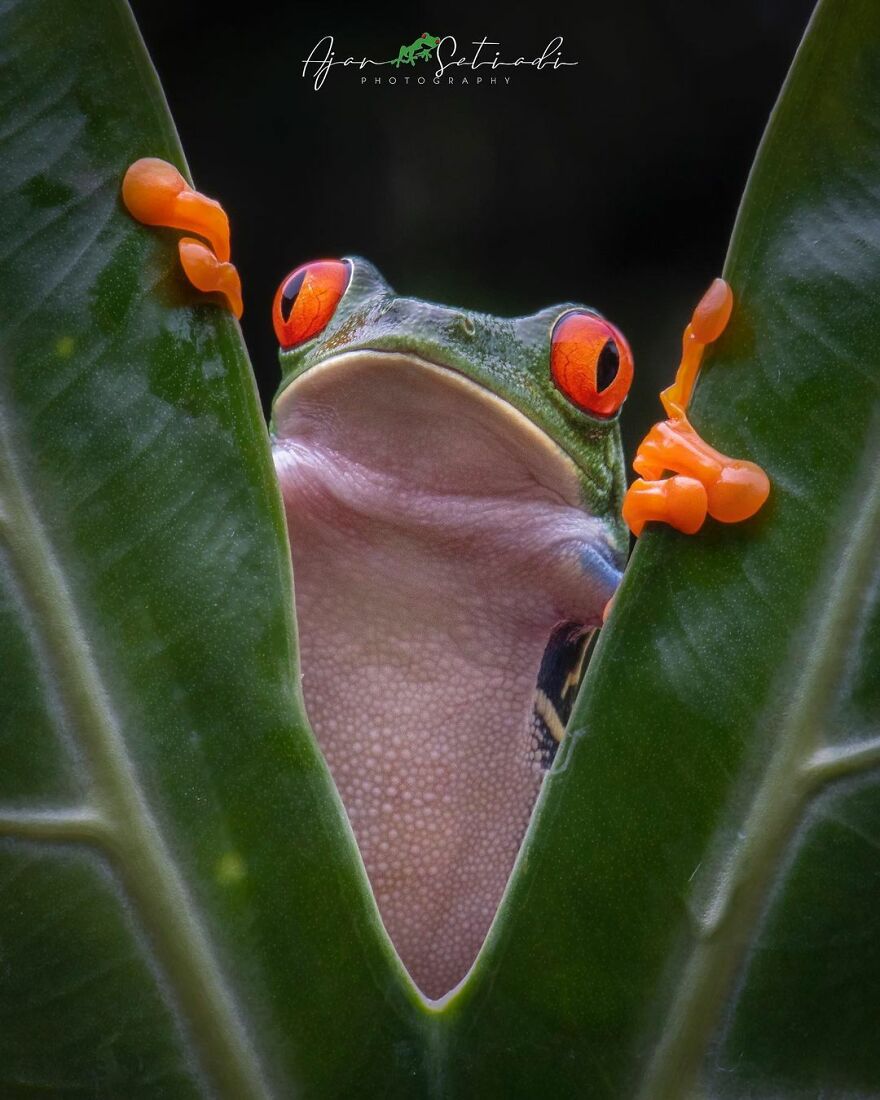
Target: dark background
[{"x": 615, "y": 183}]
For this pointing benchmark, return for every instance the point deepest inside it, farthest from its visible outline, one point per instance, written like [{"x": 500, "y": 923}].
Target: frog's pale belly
[
  {"x": 424, "y": 721},
  {"x": 436, "y": 542}
]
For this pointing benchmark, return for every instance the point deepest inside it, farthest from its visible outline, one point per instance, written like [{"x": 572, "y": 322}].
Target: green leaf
[
  {"x": 182, "y": 904},
  {"x": 696, "y": 912},
  {"x": 182, "y": 909}
]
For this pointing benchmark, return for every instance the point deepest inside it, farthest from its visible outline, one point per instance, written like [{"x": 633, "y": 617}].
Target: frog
[
  {"x": 454, "y": 490},
  {"x": 421, "y": 49},
  {"x": 453, "y": 484}
]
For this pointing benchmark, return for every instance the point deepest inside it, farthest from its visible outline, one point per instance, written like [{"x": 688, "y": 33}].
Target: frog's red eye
[
  {"x": 307, "y": 299},
  {"x": 590, "y": 362}
]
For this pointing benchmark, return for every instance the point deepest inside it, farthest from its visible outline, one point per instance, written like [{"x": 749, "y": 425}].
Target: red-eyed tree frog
[{"x": 455, "y": 495}]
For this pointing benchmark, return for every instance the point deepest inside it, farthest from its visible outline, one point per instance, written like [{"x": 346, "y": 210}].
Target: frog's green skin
[
  {"x": 421, "y": 48},
  {"x": 449, "y": 511}
]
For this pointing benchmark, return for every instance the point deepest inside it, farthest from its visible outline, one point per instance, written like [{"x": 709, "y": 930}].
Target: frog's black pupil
[
  {"x": 290, "y": 294},
  {"x": 607, "y": 365}
]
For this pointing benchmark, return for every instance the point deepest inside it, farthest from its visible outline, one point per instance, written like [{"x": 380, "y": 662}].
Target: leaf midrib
[{"x": 798, "y": 769}]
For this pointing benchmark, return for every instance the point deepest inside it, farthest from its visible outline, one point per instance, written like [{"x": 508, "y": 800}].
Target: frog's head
[
  {"x": 555, "y": 379},
  {"x": 453, "y": 486}
]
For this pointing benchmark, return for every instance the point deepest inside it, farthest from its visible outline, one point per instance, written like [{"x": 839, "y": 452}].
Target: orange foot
[
  {"x": 155, "y": 193},
  {"x": 728, "y": 489}
]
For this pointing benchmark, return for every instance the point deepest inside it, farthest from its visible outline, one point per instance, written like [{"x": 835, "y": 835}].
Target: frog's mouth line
[{"x": 438, "y": 542}]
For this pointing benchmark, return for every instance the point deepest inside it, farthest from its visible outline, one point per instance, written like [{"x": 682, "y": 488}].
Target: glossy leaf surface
[
  {"x": 182, "y": 907},
  {"x": 697, "y": 912},
  {"x": 182, "y": 910}
]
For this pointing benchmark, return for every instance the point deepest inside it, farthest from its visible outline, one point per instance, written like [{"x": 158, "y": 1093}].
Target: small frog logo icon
[{"x": 421, "y": 49}]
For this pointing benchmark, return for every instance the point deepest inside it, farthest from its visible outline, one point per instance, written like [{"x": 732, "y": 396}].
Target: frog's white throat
[{"x": 437, "y": 539}]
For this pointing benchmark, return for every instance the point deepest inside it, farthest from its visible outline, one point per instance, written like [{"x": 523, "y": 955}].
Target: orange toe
[
  {"x": 674, "y": 446},
  {"x": 679, "y": 501},
  {"x": 713, "y": 312},
  {"x": 738, "y": 493},
  {"x": 155, "y": 193},
  {"x": 208, "y": 274},
  {"x": 709, "y": 320}
]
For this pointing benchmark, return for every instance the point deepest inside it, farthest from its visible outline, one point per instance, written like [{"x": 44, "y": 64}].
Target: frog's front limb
[
  {"x": 733, "y": 489},
  {"x": 155, "y": 193}
]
